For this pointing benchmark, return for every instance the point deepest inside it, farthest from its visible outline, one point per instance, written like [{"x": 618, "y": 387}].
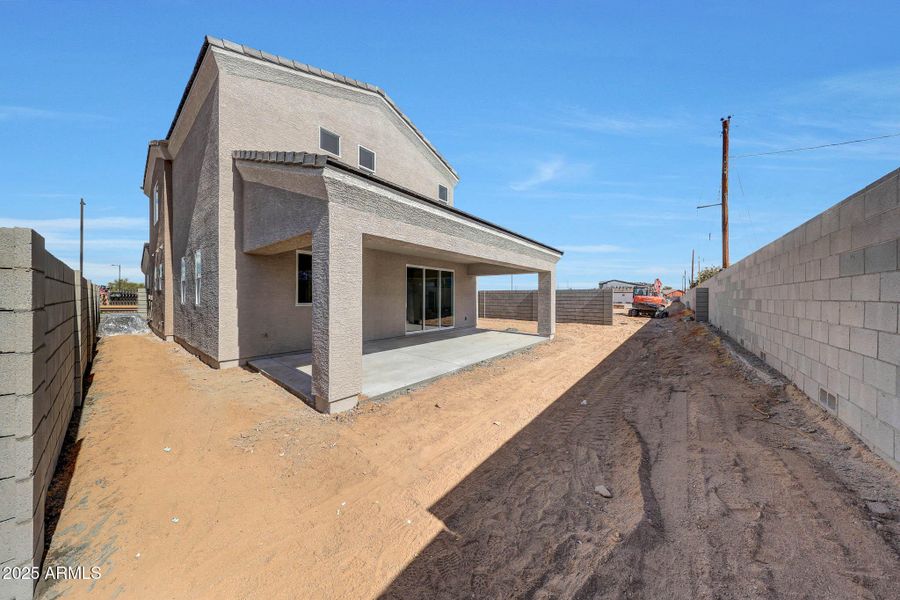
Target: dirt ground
[{"x": 187, "y": 482}]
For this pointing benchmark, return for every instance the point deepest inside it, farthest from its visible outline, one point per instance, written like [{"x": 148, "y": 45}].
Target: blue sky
[{"x": 593, "y": 127}]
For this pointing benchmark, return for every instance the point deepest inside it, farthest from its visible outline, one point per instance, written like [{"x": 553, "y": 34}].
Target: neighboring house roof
[
  {"x": 307, "y": 159},
  {"x": 613, "y": 282},
  {"x": 302, "y": 67}
]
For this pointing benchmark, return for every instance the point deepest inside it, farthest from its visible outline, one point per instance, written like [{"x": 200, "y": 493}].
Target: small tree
[
  {"x": 704, "y": 274},
  {"x": 123, "y": 285}
]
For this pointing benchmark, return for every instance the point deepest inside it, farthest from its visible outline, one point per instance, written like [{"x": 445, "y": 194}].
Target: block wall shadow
[{"x": 528, "y": 521}]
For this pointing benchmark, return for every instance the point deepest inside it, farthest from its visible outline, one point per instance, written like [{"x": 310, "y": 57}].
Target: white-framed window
[
  {"x": 429, "y": 298},
  {"x": 304, "y": 278},
  {"x": 366, "y": 159},
  {"x": 184, "y": 261},
  {"x": 443, "y": 193},
  {"x": 156, "y": 203},
  {"x": 198, "y": 275},
  {"x": 329, "y": 141}
]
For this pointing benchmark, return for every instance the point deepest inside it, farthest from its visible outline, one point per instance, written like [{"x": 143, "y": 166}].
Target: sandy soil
[{"x": 482, "y": 485}]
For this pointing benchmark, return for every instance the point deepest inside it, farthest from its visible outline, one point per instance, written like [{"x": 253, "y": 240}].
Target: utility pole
[
  {"x": 725, "y": 124},
  {"x": 119, "y": 280},
  {"x": 692, "y": 267},
  {"x": 81, "y": 243}
]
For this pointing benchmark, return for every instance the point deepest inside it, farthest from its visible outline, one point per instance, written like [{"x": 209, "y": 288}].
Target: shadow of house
[{"x": 528, "y": 522}]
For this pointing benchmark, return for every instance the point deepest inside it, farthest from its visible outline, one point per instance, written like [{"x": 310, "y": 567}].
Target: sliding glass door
[{"x": 429, "y": 299}]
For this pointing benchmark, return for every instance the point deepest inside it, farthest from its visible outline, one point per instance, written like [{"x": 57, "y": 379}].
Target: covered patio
[
  {"x": 380, "y": 272},
  {"x": 396, "y": 364}
]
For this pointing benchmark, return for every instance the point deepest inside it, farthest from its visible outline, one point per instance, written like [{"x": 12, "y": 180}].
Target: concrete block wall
[
  {"x": 592, "y": 306},
  {"x": 48, "y": 324},
  {"x": 820, "y": 304},
  {"x": 142, "y": 305},
  {"x": 498, "y": 304}
]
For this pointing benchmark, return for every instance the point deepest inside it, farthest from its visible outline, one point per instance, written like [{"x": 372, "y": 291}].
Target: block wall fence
[
  {"x": 820, "y": 304},
  {"x": 592, "y": 306},
  {"x": 49, "y": 316}
]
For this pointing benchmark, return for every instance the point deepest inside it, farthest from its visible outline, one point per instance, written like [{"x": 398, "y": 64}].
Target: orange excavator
[{"x": 648, "y": 301}]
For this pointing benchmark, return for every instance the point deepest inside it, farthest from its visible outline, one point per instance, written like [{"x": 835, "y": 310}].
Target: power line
[{"x": 879, "y": 137}]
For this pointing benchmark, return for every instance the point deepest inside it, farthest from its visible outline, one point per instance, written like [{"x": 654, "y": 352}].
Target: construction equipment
[{"x": 648, "y": 301}]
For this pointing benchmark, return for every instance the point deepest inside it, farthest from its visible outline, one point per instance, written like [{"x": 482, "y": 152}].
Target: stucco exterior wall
[
  {"x": 821, "y": 305},
  {"x": 267, "y": 107},
  {"x": 271, "y": 322},
  {"x": 195, "y": 226},
  {"x": 384, "y": 292},
  {"x": 377, "y": 211},
  {"x": 156, "y": 316},
  {"x": 295, "y": 202}
]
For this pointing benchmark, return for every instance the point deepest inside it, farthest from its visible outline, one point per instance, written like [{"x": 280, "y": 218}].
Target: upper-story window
[
  {"x": 329, "y": 141},
  {"x": 156, "y": 203},
  {"x": 366, "y": 159},
  {"x": 184, "y": 263},
  {"x": 443, "y": 194},
  {"x": 198, "y": 275}
]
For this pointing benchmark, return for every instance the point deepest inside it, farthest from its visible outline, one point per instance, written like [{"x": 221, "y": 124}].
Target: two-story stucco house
[{"x": 295, "y": 209}]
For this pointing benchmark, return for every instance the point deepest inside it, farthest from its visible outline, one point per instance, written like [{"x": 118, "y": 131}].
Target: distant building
[
  {"x": 623, "y": 291},
  {"x": 674, "y": 294}
]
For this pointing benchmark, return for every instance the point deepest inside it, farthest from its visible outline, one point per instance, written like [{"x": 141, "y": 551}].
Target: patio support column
[
  {"x": 547, "y": 303},
  {"x": 336, "y": 316}
]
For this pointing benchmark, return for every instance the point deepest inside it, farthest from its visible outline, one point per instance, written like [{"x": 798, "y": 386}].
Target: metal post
[
  {"x": 692, "y": 267},
  {"x": 119, "y": 280},
  {"x": 725, "y": 123},
  {"x": 81, "y": 242}
]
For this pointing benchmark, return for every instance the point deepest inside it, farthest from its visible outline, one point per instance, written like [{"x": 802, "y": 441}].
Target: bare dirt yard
[{"x": 186, "y": 482}]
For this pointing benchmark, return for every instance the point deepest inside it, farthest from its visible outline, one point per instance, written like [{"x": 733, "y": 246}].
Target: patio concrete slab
[{"x": 397, "y": 364}]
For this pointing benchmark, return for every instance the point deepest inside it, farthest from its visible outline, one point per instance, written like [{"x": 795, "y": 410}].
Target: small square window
[
  {"x": 443, "y": 195},
  {"x": 366, "y": 159},
  {"x": 304, "y": 278},
  {"x": 329, "y": 142}
]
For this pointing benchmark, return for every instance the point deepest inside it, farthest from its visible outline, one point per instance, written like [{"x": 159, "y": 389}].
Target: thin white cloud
[
  {"x": 543, "y": 173},
  {"x": 96, "y": 243},
  {"x": 102, "y": 273},
  {"x": 593, "y": 249},
  {"x": 11, "y": 112},
  {"x": 46, "y": 226},
  {"x": 578, "y": 118}
]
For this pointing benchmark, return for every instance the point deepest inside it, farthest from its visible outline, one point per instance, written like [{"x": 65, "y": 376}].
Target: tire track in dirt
[
  {"x": 533, "y": 525},
  {"x": 744, "y": 515}
]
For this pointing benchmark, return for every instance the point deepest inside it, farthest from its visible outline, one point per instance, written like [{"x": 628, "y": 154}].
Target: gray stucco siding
[
  {"x": 270, "y": 216},
  {"x": 270, "y": 321},
  {"x": 384, "y": 292},
  {"x": 272, "y": 108},
  {"x": 195, "y": 207},
  {"x": 385, "y": 213}
]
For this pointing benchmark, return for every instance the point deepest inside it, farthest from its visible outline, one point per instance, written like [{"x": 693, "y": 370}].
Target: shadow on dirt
[{"x": 530, "y": 519}]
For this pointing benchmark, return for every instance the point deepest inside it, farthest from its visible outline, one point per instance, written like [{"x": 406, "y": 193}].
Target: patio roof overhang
[{"x": 287, "y": 194}]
